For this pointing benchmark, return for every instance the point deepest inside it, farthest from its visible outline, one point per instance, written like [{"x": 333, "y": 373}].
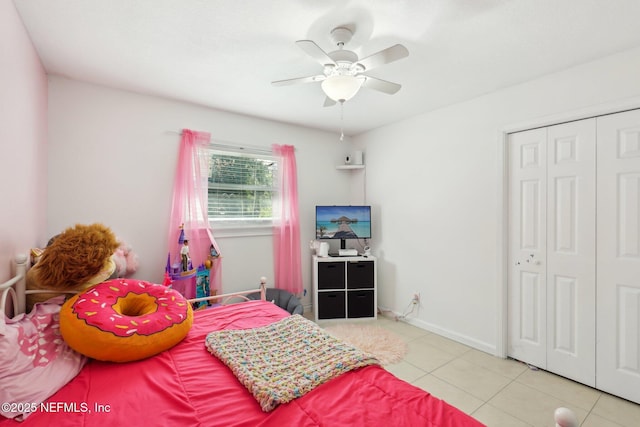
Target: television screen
[{"x": 343, "y": 222}]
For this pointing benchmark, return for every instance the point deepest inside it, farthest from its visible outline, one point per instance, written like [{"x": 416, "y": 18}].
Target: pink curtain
[
  {"x": 286, "y": 232},
  {"x": 189, "y": 207}
]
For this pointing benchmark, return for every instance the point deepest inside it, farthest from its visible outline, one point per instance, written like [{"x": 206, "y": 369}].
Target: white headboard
[{"x": 15, "y": 287}]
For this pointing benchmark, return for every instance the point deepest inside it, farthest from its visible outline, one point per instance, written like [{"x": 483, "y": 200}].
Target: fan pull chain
[{"x": 341, "y": 120}]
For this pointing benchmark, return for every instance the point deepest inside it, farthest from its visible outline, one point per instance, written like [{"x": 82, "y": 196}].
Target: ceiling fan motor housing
[{"x": 345, "y": 59}]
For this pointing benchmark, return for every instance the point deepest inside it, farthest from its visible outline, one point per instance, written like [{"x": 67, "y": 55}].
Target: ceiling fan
[{"x": 343, "y": 73}]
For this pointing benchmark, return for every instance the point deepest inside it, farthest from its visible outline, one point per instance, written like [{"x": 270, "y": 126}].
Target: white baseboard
[
  {"x": 463, "y": 339},
  {"x": 308, "y": 308}
]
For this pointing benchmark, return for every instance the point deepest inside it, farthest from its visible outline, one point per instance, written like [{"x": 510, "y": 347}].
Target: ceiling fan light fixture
[{"x": 341, "y": 88}]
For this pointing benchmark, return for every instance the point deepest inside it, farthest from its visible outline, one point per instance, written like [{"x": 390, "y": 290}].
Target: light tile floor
[{"x": 500, "y": 392}]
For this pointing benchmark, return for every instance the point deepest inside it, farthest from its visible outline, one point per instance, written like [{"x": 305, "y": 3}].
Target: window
[{"x": 240, "y": 188}]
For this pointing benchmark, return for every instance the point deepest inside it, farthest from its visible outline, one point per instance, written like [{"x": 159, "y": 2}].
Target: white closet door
[
  {"x": 527, "y": 247},
  {"x": 552, "y": 249},
  {"x": 571, "y": 251},
  {"x": 618, "y": 330}
]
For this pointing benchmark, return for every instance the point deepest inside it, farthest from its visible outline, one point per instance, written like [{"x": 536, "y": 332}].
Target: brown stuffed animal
[{"x": 76, "y": 259}]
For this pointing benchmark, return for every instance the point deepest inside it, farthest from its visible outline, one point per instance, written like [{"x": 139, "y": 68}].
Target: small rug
[{"x": 383, "y": 344}]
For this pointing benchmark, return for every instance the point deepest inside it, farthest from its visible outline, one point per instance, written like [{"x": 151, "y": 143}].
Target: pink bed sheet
[{"x": 187, "y": 386}]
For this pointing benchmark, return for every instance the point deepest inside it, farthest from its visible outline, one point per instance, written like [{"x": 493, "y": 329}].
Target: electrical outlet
[{"x": 416, "y": 299}]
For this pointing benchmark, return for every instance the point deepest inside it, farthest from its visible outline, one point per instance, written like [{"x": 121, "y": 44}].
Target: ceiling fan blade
[
  {"x": 328, "y": 102},
  {"x": 314, "y": 51},
  {"x": 385, "y": 56},
  {"x": 309, "y": 79},
  {"x": 381, "y": 85}
]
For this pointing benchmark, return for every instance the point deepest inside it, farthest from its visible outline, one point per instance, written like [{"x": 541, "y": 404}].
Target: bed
[{"x": 188, "y": 386}]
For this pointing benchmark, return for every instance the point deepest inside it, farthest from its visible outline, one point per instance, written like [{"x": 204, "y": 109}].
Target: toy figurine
[
  {"x": 184, "y": 254},
  {"x": 202, "y": 287}
]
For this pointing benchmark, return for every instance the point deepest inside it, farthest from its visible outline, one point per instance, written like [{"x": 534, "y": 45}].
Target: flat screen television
[{"x": 343, "y": 222}]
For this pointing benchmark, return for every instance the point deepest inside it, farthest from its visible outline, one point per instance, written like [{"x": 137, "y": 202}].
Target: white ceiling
[{"x": 224, "y": 53}]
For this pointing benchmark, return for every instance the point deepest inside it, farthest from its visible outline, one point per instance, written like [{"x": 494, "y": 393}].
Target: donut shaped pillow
[{"x": 123, "y": 320}]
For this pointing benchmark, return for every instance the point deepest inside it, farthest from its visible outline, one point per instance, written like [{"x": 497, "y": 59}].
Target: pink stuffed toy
[{"x": 125, "y": 259}]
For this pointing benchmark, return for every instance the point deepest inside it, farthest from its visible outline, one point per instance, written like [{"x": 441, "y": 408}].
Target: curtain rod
[{"x": 219, "y": 143}]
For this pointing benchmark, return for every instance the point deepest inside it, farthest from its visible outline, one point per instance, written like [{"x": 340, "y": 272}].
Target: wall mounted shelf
[{"x": 343, "y": 167}]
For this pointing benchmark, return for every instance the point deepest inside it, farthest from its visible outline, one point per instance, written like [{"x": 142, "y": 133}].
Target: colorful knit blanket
[{"x": 284, "y": 360}]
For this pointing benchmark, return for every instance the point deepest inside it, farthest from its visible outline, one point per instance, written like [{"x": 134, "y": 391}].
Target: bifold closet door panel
[
  {"x": 618, "y": 269},
  {"x": 552, "y": 249},
  {"x": 571, "y": 250},
  {"x": 527, "y": 289}
]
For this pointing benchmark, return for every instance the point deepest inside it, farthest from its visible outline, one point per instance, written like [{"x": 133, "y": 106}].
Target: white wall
[
  {"x": 23, "y": 148},
  {"x": 434, "y": 183},
  {"x": 112, "y": 160},
  {"x": 112, "y": 156}
]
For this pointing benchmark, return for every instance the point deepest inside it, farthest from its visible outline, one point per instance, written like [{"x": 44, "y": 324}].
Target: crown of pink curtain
[
  {"x": 286, "y": 232},
  {"x": 189, "y": 206}
]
